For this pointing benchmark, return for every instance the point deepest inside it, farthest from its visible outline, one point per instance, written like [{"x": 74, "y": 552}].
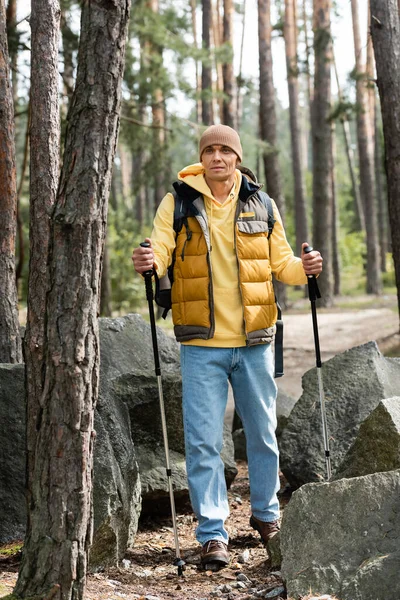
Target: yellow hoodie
[{"x": 229, "y": 323}]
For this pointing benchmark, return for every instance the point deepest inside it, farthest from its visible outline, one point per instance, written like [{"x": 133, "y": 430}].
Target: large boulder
[
  {"x": 354, "y": 383},
  {"x": 138, "y": 391},
  {"x": 12, "y": 453},
  {"x": 342, "y": 538},
  {"x": 116, "y": 489},
  {"x": 377, "y": 445},
  {"x": 126, "y": 347}
]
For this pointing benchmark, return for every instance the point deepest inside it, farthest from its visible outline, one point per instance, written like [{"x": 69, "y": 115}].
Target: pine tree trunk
[
  {"x": 268, "y": 119},
  {"x": 196, "y": 62},
  {"x": 267, "y": 106},
  {"x": 11, "y": 18},
  {"x": 358, "y": 206},
  {"x": 10, "y": 339},
  {"x": 366, "y": 166},
  {"x": 300, "y": 209},
  {"x": 322, "y": 145},
  {"x": 60, "y": 510},
  {"x": 335, "y": 221},
  {"x": 385, "y": 28},
  {"x": 383, "y": 221},
  {"x": 227, "y": 68},
  {"x": 239, "y": 79},
  {"x": 206, "y": 78},
  {"x": 44, "y": 173}
]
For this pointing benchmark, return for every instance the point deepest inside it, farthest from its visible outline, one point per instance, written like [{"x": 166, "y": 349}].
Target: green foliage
[{"x": 126, "y": 285}]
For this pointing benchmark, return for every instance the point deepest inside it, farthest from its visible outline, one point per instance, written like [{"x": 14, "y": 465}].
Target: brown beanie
[{"x": 221, "y": 135}]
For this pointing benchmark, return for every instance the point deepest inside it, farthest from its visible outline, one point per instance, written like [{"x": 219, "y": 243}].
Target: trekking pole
[
  {"x": 149, "y": 295},
  {"x": 313, "y": 294}
]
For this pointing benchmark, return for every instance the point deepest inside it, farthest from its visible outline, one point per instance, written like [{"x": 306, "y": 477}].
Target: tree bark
[
  {"x": 239, "y": 79},
  {"x": 268, "y": 118},
  {"x": 60, "y": 512},
  {"x": 366, "y": 165},
  {"x": 322, "y": 145},
  {"x": 227, "y": 68},
  {"x": 12, "y": 46},
  {"x": 196, "y": 62},
  {"x": 300, "y": 208},
  {"x": 385, "y": 28},
  {"x": 335, "y": 220},
  {"x": 10, "y": 339},
  {"x": 206, "y": 78}
]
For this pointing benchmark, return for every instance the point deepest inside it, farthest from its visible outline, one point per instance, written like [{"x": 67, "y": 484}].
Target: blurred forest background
[{"x": 327, "y": 175}]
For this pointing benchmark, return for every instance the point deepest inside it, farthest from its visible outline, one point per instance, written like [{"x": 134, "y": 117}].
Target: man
[{"x": 224, "y": 312}]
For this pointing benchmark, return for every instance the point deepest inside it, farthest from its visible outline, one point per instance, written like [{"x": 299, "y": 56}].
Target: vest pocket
[{"x": 252, "y": 227}]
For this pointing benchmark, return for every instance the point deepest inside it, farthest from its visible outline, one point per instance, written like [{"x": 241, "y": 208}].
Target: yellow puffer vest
[{"x": 192, "y": 289}]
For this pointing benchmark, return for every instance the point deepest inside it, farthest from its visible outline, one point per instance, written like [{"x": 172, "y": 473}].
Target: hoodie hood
[{"x": 193, "y": 175}]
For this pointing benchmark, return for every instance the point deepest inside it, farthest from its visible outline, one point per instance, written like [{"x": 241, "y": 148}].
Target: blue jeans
[{"x": 205, "y": 375}]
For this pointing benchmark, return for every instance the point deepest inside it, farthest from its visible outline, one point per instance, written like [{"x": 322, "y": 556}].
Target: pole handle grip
[
  {"x": 147, "y": 274},
  {"x": 313, "y": 289}
]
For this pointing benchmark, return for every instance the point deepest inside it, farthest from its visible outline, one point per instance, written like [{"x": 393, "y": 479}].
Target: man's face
[{"x": 219, "y": 162}]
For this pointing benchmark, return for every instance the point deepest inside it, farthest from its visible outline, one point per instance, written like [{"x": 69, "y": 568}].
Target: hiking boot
[
  {"x": 214, "y": 555},
  {"x": 267, "y": 529}
]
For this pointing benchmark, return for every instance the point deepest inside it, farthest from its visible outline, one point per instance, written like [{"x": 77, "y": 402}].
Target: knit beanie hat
[{"x": 221, "y": 135}]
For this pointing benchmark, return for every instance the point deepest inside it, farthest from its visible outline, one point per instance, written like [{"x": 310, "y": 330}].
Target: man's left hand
[{"x": 312, "y": 262}]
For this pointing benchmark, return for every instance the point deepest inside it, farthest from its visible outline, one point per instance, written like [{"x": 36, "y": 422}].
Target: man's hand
[
  {"x": 143, "y": 258},
  {"x": 312, "y": 262}
]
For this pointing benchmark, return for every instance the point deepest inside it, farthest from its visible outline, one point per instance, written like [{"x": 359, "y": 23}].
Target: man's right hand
[{"x": 143, "y": 258}]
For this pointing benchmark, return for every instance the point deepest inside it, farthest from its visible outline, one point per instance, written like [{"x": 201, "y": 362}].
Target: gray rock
[
  {"x": 377, "y": 446},
  {"x": 354, "y": 383},
  {"x": 12, "y": 453},
  {"x": 116, "y": 489},
  {"x": 126, "y": 346},
  {"x": 342, "y": 538}
]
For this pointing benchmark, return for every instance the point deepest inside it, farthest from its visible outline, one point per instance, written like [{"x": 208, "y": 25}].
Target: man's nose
[{"x": 217, "y": 155}]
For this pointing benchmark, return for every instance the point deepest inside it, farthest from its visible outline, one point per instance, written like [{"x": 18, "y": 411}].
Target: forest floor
[{"x": 147, "y": 572}]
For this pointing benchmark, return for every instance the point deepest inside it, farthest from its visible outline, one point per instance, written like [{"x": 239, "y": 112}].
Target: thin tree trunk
[
  {"x": 105, "y": 295},
  {"x": 10, "y": 339},
  {"x": 300, "y": 209},
  {"x": 206, "y": 78},
  {"x": 383, "y": 221},
  {"x": 335, "y": 221},
  {"x": 227, "y": 67},
  {"x": 359, "y": 208},
  {"x": 11, "y": 18},
  {"x": 196, "y": 62},
  {"x": 239, "y": 79},
  {"x": 218, "y": 83},
  {"x": 385, "y": 26},
  {"x": 60, "y": 511},
  {"x": 366, "y": 163},
  {"x": 309, "y": 88},
  {"x": 67, "y": 51},
  {"x": 322, "y": 146},
  {"x": 268, "y": 117},
  {"x": 20, "y": 233}
]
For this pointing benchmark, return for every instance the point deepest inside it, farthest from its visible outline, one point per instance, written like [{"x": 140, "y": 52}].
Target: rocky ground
[{"x": 147, "y": 572}]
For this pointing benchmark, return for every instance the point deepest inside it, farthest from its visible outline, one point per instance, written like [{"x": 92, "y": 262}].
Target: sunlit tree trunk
[
  {"x": 300, "y": 209},
  {"x": 10, "y": 339},
  {"x": 196, "y": 62},
  {"x": 366, "y": 164},
  {"x": 227, "y": 67},
  {"x": 358, "y": 206},
  {"x": 239, "y": 79},
  {"x": 55, "y": 557},
  {"x": 335, "y": 221},
  {"x": 385, "y": 28},
  {"x": 206, "y": 77},
  {"x": 268, "y": 117},
  {"x": 322, "y": 146}
]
